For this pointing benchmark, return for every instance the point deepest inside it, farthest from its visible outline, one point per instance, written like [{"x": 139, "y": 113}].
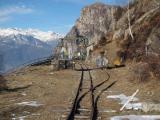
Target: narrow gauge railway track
[
  {"x": 83, "y": 93},
  {"x": 85, "y": 87}
]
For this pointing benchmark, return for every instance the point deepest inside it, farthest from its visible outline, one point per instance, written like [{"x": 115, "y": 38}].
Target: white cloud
[{"x": 7, "y": 12}]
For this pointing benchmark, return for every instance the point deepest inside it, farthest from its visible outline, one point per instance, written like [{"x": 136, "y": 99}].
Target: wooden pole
[{"x": 131, "y": 98}]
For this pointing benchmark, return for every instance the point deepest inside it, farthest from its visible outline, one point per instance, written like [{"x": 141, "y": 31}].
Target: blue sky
[{"x": 54, "y": 15}]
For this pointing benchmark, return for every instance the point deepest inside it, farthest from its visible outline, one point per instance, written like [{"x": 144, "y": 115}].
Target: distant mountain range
[
  {"x": 41, "y": 35},
  {"x": 18, "y": 46}
]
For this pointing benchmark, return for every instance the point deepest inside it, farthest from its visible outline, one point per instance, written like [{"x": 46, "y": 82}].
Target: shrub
[
  {"x": 154, "y": 65},
  {"x": 140, "y": 72}
]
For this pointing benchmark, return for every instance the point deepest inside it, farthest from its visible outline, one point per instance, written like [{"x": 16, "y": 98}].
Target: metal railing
[{"x": 29, "y": 63}]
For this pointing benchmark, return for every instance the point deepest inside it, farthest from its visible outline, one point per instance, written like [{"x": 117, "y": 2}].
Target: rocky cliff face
[
  {"x": 96, "y": 20},
  {"x": 108, "y": 28}
]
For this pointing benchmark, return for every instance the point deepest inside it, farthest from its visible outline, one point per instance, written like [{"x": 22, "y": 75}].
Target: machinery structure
[{"x": 69, "y": 50}]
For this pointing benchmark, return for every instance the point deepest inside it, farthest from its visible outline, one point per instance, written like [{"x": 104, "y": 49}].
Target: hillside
[{"x": 133, "y": 33}]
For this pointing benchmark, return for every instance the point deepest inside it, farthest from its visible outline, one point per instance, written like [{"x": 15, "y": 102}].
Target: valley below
[{"x": 19, "y": 47}]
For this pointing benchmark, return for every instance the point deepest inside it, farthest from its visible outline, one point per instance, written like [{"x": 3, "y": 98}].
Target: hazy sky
[{"x": 54, "y": 15}]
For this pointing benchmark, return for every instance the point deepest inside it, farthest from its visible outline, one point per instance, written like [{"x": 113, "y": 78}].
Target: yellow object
[{"x": 117, "y": 62}]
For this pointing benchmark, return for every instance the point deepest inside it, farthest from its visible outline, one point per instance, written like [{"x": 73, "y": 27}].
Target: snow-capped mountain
[
  {"x": 41, "y": 35},
  {"x": 19, "y": 46}
]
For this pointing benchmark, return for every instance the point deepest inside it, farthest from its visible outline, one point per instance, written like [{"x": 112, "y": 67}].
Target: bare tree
[{"x": 129, "y": 21}]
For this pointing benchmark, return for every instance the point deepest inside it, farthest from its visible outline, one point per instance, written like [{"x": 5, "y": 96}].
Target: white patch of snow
[
  {"x": 24, "y": 94},
  {"x": 108, "y": 111},
  {"x": 19, "y": 118},
  {"x": 24, "y": 116},
  {"x": 30, "y": 103},
  {"x": 136, "y": 117},
  {"x": 123, "y": 99}
]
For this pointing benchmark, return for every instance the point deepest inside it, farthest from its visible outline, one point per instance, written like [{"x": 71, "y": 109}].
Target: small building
[
  {"x": 76, "y": 47},
  {"x": 68, "y": 50}
]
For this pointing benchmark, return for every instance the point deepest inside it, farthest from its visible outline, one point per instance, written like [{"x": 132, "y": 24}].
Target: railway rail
[
  {"x": 83, "y": 93},
  {"x": 88, "y": 93}
]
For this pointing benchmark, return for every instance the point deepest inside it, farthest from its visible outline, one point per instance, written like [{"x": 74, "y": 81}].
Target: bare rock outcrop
[
  {"x": 101, "y": 23},
  {"x": 96, "y": 20}
]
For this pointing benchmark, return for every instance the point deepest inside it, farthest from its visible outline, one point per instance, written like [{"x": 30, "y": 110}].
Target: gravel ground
[{"x": 38, "y": 93}]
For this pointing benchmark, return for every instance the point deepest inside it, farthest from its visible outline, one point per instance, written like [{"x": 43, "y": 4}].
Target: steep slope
[
  {"x": 108, "y": 28},
  {"x": 96, "y": 20}
]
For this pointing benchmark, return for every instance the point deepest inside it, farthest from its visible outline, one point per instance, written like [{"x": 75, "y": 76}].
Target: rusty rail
[{"x": 93, "y": 98}]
